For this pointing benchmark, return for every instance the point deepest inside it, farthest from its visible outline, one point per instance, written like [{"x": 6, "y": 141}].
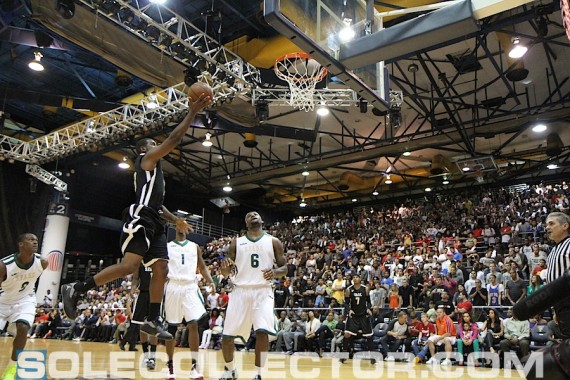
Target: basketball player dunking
[
  {"x": 144, "y": 231},
  {"x": 255, "y": 259}
]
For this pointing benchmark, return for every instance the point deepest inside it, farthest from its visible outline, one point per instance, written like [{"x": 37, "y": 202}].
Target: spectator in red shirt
[
  {"x": 425, "y": 330},
  {"x": 223, "y": 299}
]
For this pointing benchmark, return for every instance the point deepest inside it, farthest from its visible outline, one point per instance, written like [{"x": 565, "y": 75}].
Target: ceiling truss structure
[{"x": 446, "y": 110}]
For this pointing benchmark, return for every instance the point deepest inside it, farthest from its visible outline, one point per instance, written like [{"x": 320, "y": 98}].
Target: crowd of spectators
[{"x": 474, "y": 254}]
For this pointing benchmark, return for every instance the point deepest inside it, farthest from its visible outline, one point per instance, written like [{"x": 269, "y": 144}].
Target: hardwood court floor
[{"x": 66, "y": 359}]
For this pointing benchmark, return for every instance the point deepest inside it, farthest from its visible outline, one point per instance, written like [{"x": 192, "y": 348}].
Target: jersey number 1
[
  {"x": 254, "y": 260},
  {"x": 182, "y": 259}
]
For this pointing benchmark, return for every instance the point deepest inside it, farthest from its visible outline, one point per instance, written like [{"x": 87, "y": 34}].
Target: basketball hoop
[{"x": 302, "y": 73}]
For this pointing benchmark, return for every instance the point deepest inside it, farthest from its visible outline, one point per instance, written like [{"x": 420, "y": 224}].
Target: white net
[{"x": 302, "y": 73}]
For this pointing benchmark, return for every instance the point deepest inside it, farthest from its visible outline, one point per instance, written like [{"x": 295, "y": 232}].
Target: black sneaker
[
  {"x": 155, "y": 329},
  {"x": 342, "y": 361},
  {"x": 372, "y": 361},
  {"x": 70, "y": 298},
  {"x": 229, "y": 375}
]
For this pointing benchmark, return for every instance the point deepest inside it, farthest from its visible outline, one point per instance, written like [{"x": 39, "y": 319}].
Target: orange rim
[{"x": 299, "y": 55}]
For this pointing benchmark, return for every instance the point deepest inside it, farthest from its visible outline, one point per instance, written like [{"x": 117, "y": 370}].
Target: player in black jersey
[
  {"x": 144, "y": 231},
  {"x": 357, "y": 307}
]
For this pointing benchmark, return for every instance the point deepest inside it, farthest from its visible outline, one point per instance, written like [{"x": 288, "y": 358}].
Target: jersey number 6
[{"x": 254, "y": 260}]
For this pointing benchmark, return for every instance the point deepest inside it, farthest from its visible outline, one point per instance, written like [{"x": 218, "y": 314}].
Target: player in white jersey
[
  {"x": 255, "y": 259},
  {"x": 182, "y": 297},
  {"x": 18, "y": 275}
]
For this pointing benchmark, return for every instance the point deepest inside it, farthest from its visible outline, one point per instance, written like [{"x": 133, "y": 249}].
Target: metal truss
[
  {"x": 46, "y": 177},
  {"x": 325, "y": 97},
  {"x": 107, "y": 127},
  {"x": 329, "y": 97},
  {"x": 173, "y": 35},
  {"x": 130, "y": 119}
]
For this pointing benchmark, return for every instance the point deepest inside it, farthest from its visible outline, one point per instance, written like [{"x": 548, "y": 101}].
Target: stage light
[
  {"x": 36, "y": 63},
  {"x": 518, "y": 50},
  {"x": 262, "y": 110},
  {"x": 66, "y": 8},
  {"x": 207, "y": 142}
]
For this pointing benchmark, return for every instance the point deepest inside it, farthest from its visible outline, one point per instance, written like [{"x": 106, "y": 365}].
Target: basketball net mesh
[
  {"x": 302, "y": 78},
  {"x": 565, "y": 7}
]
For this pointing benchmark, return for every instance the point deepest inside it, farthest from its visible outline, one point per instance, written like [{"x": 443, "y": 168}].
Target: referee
[{"x": 558, "y": 262}]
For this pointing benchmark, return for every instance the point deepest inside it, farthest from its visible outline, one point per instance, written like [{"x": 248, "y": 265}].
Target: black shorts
[
  {"x": 360, "y": 323},
  {"x": 144, "y": 233},
  {"x": 140, "y": 308}
]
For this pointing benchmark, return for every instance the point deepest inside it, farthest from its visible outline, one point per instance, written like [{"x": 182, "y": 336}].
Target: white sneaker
[
  {"x": 446, "y": 362},
  {"x": 390, "y": 359},
  {"x": 432, "y": 361},
  {"x": 195, "y": 375},
  {"x": 229, "y": 375}
]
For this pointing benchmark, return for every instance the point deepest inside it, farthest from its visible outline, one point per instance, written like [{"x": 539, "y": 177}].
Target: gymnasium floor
[{"x": 66, "y": 359}]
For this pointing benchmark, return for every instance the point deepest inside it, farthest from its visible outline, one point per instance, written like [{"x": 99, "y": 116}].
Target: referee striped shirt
[{"x": 558, "y": 260}]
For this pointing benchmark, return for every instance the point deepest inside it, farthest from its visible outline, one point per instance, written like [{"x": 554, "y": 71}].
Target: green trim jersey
[
  {"x": 252, "y": 257},
  {"x": 20, "y": 281},
  {"x": 182, "y": 260}
]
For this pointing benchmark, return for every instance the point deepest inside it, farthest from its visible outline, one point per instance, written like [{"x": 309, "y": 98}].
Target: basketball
[{"x": 199, "y": 88}]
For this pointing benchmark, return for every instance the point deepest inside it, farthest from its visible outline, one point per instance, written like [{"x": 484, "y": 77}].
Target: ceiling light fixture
[
  {"x": 124, "y": 164},
  {"x": 445, "y": 181},
  {"x": 518, "y": 50},
  {"x": 465, "y": 168},
  {"x": 323, "y": 110},
  {"x": 303, "y": 203},
  {"x": 36, "y": 63},
  {"x": 388, "y": 180},
  {"x": 152, "y": 102},
  {"x": 227, "y": 188},
  {"x": 407, "y": 153},
  {"x": 354, "y": 200},
  {"x": 207, "y": 142},
  {"x": 428, "y": 189},
  {"x": 552, "y": 166},
  {"x": 375, "y": 193},
  {"x": 305, "y": 173},
  {"x": 160, "y": 2},
  {"x": 346, "y": 33},
  {"x": 539, "y": 128}
]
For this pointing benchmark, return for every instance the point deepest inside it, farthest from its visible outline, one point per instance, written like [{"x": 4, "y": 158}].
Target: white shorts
[
  {"x": 249, "y": 306},
  {"x": 183, "y": 300},
  {"x": 451, "y": 339},
  {"x": 19, "y": 312}
]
